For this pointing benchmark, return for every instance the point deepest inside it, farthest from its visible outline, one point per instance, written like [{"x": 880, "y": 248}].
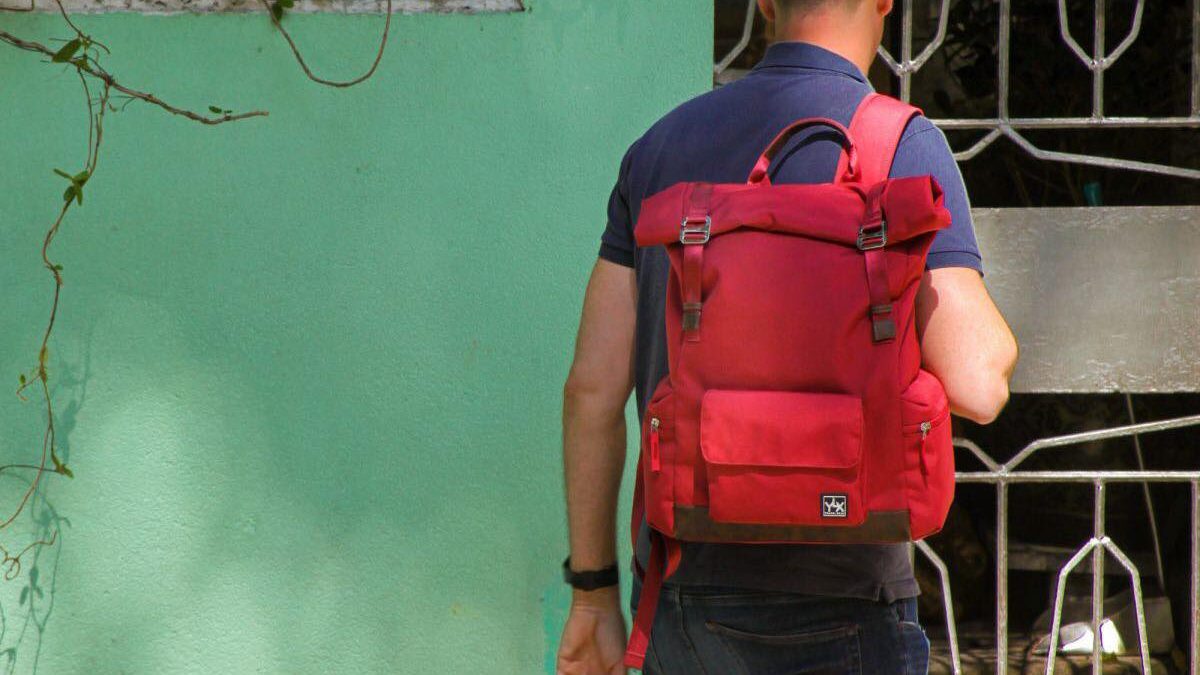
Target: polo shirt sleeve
[
  {"x": 923, "y": 150},
  {"x": 617, "y": 244}
]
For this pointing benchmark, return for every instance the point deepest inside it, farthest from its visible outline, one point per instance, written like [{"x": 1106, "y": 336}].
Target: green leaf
[
  {"x": 214, "y": 110},
  {"x": 33, "y": 576},
  {"x": 69, "y": 193},
  {"x": 81, "y": 177},
  {"x": 21, "y": 379},
  {"x": 59, "y": 467},
  {"x": 24, "y": 595},
  {"x": 58, "y": 268},
  {"x": 78, "y": 194},
  {"x": 277, "y": 10},
  {"x": 64, "y": 174},
  {"x": 65, "y": 53}
]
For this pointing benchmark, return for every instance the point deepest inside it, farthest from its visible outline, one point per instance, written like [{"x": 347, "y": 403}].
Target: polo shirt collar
[{"x": 807, "y": 55}]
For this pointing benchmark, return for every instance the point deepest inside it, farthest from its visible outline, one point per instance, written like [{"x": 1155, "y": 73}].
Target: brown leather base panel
[{"x": 880, "y": 527}]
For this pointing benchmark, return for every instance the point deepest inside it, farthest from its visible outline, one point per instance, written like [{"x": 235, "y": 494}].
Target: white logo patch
[{"x": 834, "y": 506}]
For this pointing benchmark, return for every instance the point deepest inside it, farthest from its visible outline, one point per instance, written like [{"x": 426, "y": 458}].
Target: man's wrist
[
  {"x": 589, "y": 579},
  {"x": 606, "y": 598}
]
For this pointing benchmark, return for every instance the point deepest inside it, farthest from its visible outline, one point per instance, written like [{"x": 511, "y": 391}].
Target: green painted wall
[{"x": 308, "y": 367}]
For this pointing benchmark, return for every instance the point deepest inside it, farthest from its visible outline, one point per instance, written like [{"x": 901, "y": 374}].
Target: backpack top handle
[{"x": 849, "y": 165}]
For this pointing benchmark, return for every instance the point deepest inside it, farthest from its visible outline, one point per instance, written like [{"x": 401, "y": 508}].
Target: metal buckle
[
  {"x": 872, "y": 237},
  {"x": 694, "y": 233}
]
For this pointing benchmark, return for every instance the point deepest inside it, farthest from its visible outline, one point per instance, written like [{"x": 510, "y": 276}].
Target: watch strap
[{"x": 590, "y": 580}]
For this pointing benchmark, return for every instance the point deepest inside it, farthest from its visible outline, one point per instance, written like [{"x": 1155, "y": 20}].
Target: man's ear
[
  {"x": 767, "y": 7},
  {"x": 884, "y": 7}
]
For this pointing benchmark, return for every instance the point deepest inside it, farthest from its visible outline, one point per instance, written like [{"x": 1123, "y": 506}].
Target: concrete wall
[
  {"x": 1100, "y": 298},
  {"x": 308, "y": 367}
]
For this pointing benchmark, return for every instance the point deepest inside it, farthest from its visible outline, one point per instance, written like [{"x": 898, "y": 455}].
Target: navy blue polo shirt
[{"x": 717, "y": 137}]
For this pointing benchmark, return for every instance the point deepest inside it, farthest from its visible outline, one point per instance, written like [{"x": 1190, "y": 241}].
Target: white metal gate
[{"x": 1003, "y": 125}]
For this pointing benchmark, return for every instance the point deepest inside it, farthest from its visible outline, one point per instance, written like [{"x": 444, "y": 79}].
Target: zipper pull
[
  {"x": 925, "y": 427},
  {"x": 655, "y": 462}
]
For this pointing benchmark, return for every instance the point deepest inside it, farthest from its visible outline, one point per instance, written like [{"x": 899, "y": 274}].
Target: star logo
[{"x": 834, "y": 506}]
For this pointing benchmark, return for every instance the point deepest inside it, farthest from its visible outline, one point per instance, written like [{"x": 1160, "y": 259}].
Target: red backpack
[{"x": 795, "y": 409}]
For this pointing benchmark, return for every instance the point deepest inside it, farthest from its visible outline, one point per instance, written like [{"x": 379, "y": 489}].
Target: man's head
[{"x": 852, "y": 28}]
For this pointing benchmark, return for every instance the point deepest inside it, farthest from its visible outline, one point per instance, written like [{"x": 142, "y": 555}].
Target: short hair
[{"x": 804, "y": 6}]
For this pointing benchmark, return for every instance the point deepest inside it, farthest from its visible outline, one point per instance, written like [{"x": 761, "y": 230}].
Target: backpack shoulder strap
[{"x": 876, "y": 129}]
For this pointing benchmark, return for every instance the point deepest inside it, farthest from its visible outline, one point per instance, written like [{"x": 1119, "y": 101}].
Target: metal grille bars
[
  {"x": 1004, "y": 475},
  {"x": 1097, "y": 62},
  {"x": 1005, "y": 125}
]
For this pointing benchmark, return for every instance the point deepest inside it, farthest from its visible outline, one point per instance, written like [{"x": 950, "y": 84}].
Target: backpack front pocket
[{"x": 782, "y": 458}]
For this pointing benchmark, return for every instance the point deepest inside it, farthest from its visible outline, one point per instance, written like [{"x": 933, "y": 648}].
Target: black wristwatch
[{"x": 590, "y": 580}]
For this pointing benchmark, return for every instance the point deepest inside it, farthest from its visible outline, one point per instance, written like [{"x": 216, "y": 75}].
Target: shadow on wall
[{"x": 32, "y": 544}]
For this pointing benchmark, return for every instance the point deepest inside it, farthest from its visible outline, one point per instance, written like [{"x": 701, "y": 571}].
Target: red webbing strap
[
  {"x": 639, "y": 638},
  {"x": 693, "y": 265},
  {"x": 652, "y": 577},
  {"x": 873, "y": 233},
  {"x": 883, "y": 326},
  {"x": 877, "y": 127},
  {"x": 693, "y": 235},
  {"x": 665, "y": 554},
  {"x": 639, "y": 509}
]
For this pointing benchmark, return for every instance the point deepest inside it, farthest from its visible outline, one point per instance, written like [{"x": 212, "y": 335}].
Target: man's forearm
[{"x": 593, "y": 461}]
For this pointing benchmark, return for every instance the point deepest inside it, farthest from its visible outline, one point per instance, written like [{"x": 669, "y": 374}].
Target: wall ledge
[{"x": 302, "y": 6}]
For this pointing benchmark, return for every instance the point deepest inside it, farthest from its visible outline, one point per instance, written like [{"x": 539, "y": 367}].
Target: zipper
[
  {"x": 655, "y": 462},
  {"x": 925, "y": 427}
]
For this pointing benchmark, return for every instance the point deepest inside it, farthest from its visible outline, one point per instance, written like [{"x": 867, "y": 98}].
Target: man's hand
[{"x": 593, "y": 640}]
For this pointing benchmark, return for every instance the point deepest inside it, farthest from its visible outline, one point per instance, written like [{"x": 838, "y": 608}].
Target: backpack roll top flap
[
  {"x": 805, "y": 447},
  {"x": 913, "y": 207},
  {"x": 825, "y": 211}
]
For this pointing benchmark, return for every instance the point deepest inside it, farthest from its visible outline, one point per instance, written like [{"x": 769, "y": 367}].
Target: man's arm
[
  {"x": 965, "y": 342},
  {"x": 594, "y": 397}
]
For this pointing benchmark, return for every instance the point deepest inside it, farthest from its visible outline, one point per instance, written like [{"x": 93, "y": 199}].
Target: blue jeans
[{"x": 731, "y": 631}]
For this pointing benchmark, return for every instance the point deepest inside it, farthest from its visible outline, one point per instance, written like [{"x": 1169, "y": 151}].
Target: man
[{"x": 733, "y": 608}]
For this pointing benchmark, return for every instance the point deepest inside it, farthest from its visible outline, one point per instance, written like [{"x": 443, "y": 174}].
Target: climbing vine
[{"x": 103, "y": 94}]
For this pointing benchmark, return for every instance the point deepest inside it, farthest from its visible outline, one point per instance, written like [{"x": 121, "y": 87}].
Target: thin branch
[
  {"x": 87, "y": 93},
  {"x": 88, "y": 39},
  {"x": 40, "y": 373},
  {"x": 14, "y": 561},
  {"x": 92, "y": 68},
  {"x": 387, "y": 24},
  {"x": 87, "y": 65},
  {"x": 49, "y": 450},
  {"x": 63, "y": 10}
]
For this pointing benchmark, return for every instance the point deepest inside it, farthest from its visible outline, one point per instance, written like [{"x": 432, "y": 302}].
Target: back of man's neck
[{"x": 846, "y": 44}]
